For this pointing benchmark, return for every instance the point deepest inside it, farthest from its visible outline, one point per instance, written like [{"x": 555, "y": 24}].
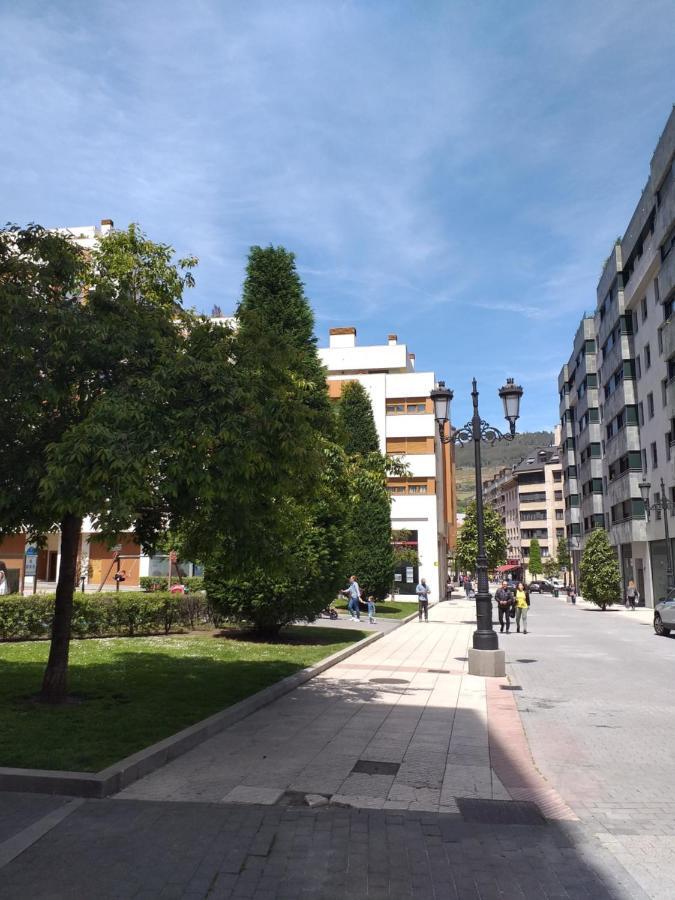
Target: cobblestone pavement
[
  {"x": 598, "y": 706},
  {"x": 142, "y": 849}
]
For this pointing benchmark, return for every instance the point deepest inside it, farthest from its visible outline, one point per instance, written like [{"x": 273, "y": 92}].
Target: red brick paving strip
[{"x": 510, "y": 755}]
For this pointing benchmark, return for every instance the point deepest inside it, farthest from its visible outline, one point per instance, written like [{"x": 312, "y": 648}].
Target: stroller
[{"x": 329, "y": 612}]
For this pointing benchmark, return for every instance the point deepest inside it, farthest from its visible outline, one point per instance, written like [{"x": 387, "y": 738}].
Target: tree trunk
[{"x": 55, "y": 680}]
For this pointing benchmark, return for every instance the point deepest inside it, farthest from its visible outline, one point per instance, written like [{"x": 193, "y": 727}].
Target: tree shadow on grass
[{"x": 294, "y": 635}]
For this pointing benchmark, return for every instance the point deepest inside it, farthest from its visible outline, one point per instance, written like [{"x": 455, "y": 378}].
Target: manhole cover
[
  {"x": 390, "y": 681},
  {"x": 500, "y": 812},
  {"x": 439, "y": 671},
  {"x": 376, "y": 767}
]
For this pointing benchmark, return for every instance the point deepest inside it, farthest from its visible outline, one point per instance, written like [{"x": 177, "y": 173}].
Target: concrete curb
[{"x": 131, "y": 768}]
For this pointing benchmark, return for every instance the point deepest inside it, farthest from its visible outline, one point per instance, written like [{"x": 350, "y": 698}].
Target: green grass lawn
[
  {"x": 390, "y": 609},
  {"x": 136, "y": 691}
]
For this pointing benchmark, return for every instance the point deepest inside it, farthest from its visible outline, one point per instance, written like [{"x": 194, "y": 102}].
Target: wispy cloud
[{"x": 454, "y": 172}]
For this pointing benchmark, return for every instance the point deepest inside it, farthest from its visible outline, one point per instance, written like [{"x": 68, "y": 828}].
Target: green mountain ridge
[{"x": 493, "y": 458}]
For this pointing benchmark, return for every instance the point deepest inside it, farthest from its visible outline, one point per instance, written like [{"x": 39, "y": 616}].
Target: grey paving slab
[{"x": 131, "y": 848}]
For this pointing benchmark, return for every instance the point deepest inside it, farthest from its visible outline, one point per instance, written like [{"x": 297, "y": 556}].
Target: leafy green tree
[
  {"x": 563, "y": 557},
  {"x": 86, "y": 342},
  {"x": 356, "y": 424},
  {"x": 600, "y": 576},
  {"x": 550, "y": 568},
  {"x": 534, "y": 564},
  {"x": 496, "y": 543}
]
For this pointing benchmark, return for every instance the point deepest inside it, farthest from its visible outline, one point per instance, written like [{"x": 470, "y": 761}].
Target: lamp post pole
[
  {"x": 484, "y": 637},
  {"x": 476, "y": 430}
]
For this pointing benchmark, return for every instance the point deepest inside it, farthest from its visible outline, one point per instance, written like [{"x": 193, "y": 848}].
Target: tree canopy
[
  {"x": 87, "y": 341},
  {"x": 496, "y": 543},
  {"x": 599, "y": 573},
  {"x": 534, "y": 563},
  {"x": 356, "y": 423}
]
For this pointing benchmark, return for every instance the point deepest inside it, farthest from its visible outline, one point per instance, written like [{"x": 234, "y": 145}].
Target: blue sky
[{"x": 455, "y": 172}]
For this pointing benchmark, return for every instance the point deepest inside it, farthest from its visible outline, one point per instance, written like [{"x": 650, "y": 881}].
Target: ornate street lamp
[
  {"x": 476, "y": 430},
  {"x": 665, "y": 505}
]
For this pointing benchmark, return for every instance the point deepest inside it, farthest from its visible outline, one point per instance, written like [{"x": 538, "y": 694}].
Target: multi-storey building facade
[
  {"x": 528, "y": 496},
  {"x": 423, "y": 503},
  {"x": 581, "y": 440},
  {"x": 630, "y": 341}
]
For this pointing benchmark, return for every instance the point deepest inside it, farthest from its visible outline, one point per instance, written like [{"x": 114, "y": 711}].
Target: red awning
[{"x": 506, "y": 568}]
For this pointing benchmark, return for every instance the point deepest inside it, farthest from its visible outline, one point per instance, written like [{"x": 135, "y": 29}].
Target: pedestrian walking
[
  {"x": 4, "y": 582},
  {"x": 371, "y": 610},
  {"x": 504, "y": 599},
  {"x": 353, "y": 591},
  {"x": 423, "y": 592},
  {"x": 522, "y": 606},
  {"x": 572, "y": 594},
  {"x": 632, "y": 595},
  {"x": 468, "y": 586}
]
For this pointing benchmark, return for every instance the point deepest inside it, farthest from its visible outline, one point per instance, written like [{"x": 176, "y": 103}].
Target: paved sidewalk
[
  {"x": 201, "y": 851},
  {"x": 399, "y": 725}
]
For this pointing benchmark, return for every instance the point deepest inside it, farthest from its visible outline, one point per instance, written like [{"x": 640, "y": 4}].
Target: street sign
[
  {"x": 30, "y": 567},
  {"x": 31, "y": 550}
]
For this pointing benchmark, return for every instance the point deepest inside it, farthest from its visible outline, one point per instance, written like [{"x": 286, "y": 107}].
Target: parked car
[
  {"x": 664, "y": 614},
  {"x": 541, "y": 586}
]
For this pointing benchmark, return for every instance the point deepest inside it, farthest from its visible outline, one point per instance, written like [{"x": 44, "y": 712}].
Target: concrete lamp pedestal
[{"x": 487, "y": 663}]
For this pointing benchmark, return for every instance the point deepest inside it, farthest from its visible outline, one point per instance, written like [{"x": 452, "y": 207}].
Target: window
[
  {"x": 643, "y": 308},
  {"x": 667, "y": 437},
  {"x": 650, "y": 405},
  {"x": 558, "y": 495},
  {"x": 655, "y": 455},
  {"x": 638, "y": 367},
  {"x": 648, "y": 357},
  {"x": 394, "y": 409},
  {"x": 641, "y": 414},
  {"x": 644, "y": 460},
  {"x": 664, "y": 392},
  {"x": 659, "y": 337},
  {"x": 412, "y": 486},
  {"x": 559, "y": 514},
  {"x": 413, "y": 406}
]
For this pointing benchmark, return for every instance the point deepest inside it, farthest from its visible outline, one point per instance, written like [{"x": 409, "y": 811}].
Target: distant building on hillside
[{"x": 528, "y": 498}]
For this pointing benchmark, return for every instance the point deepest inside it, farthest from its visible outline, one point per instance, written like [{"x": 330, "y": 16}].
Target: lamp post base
[{"x": 487, "y": 663}]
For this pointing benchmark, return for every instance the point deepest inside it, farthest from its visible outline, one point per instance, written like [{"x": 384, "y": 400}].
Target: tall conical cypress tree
[
  {"x": 370, "y": 555},
  {"x": 356, "y": 424},
  {"x": 285, "y": 384}
]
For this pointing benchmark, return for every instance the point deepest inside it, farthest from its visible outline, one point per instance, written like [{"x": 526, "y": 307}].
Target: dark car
[{"x": 541, "y": 586}]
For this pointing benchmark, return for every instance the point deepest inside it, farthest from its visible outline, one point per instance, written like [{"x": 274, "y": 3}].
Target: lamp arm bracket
[{"x": 488, "y": 433}]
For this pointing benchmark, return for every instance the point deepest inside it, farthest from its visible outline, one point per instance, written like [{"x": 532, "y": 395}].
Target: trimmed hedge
[{"x": 103, "y": 615}]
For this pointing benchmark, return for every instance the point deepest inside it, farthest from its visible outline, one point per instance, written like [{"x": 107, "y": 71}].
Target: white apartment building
[{"x": 423, "y": 503}]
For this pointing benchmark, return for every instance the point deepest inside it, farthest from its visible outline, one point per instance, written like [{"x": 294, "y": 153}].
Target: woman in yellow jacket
[{"x": 522, "y": 606}]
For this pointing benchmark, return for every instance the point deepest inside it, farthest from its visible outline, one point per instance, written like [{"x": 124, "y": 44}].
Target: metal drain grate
[
  {"x": 500, "y": 812},
  {"x": 439, "y": 671},
  {"x": 376, "y": 767},
  {"x": 510, "y": 687},
  {"x": 390, "y": 680}
]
